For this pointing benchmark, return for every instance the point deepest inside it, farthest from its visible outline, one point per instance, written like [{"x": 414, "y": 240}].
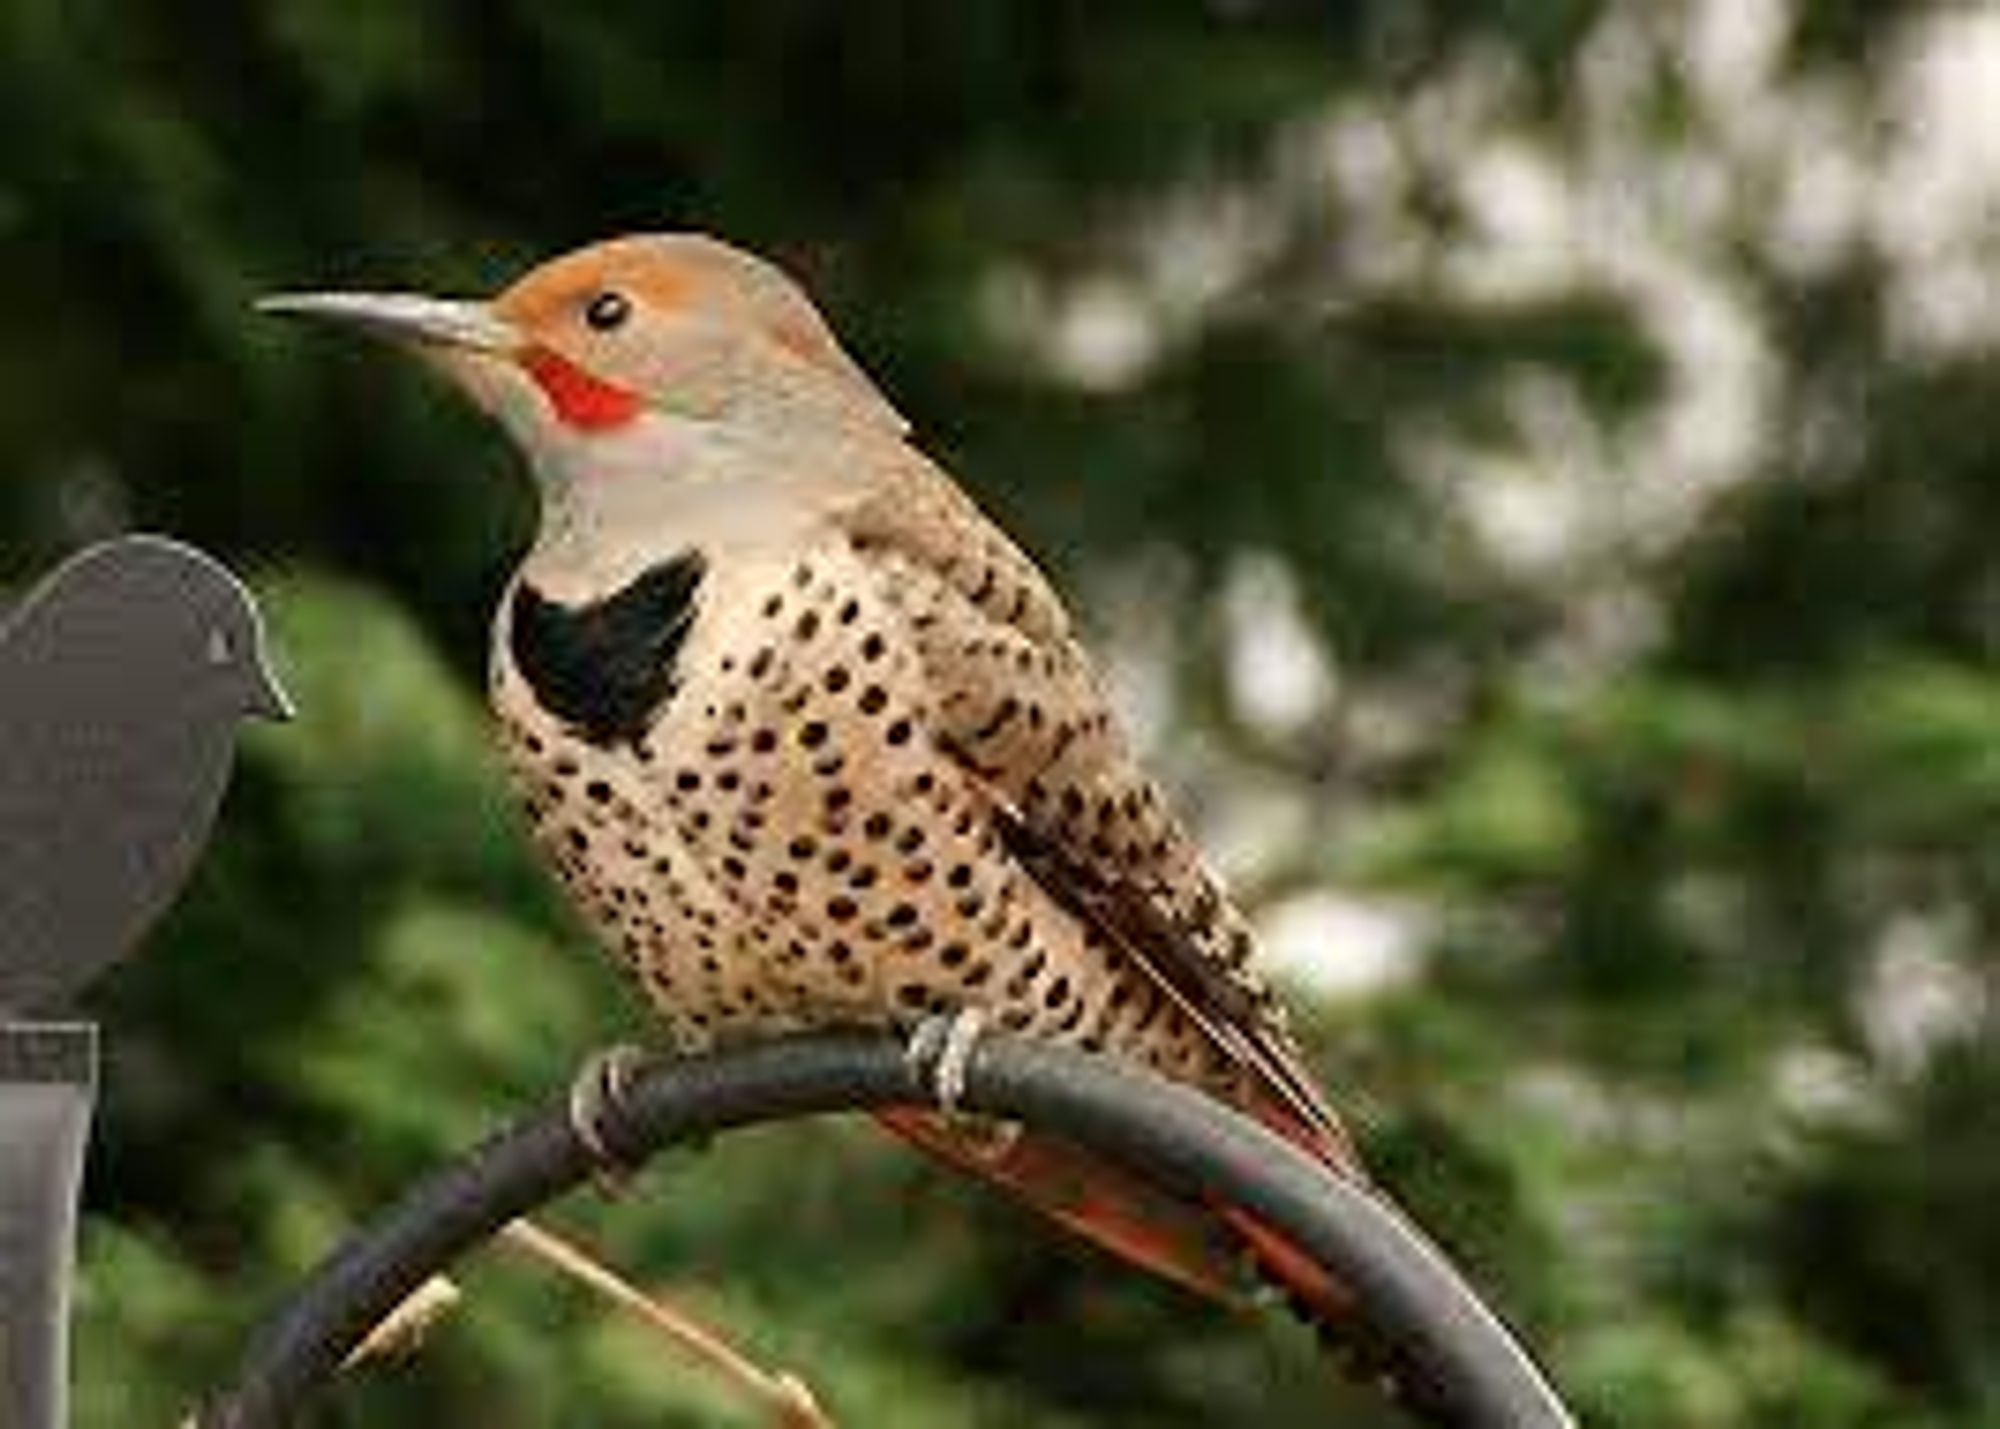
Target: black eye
[{"x": 607, "y": 310}]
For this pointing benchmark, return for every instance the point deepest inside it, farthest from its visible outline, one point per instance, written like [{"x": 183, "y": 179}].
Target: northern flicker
[{"x": 811, "y": 742}]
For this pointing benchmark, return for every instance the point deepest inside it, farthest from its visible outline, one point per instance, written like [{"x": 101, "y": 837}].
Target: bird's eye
[
  {"x": 607, "y": 310},
  {"x": 221, "y": 649}
]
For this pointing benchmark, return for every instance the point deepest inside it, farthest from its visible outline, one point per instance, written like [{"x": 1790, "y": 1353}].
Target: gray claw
[
  {"x": 941, "y": 1050},
  {"x": 603, "y": 1079}
]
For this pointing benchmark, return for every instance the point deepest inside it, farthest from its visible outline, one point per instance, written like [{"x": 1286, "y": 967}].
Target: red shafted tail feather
[
  {"x": 1201, "y": 1247},
  {"x": 1314, "y": 1291},
  {"x": 1094, "y": 1198}
]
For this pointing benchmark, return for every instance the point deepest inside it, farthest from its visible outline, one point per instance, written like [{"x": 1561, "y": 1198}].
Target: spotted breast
[{"x": 741, "y": 776}]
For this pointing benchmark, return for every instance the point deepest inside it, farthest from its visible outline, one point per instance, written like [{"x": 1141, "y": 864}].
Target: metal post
[{"x": 48, "y": 1083}]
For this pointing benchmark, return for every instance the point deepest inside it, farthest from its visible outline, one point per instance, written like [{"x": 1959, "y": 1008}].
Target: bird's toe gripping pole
[
  {"x": 592, "y": 1104},
  {"x": 940, "y": 1051}
]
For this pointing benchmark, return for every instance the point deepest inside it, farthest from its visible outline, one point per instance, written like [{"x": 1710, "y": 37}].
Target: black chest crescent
[{"x": 606, "y": 668}]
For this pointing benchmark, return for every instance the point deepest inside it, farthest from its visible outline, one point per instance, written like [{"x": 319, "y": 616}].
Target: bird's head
[{"x": 655, "y": 332}]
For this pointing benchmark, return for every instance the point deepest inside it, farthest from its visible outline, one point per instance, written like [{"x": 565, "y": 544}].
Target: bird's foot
[
  {"x": 941, "y": 1049},
  {"x": 600, "y": 1084}
]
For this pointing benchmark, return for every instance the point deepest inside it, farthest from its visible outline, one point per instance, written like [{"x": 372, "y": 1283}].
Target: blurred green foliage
[{"x": 1701, "y": 815}]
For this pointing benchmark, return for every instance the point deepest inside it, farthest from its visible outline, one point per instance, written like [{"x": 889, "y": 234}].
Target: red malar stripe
[{"x": 581, "y": 400}]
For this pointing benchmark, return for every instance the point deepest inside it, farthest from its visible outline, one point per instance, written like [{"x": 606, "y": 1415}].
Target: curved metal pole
[{"x": 1455, "y": 1361}]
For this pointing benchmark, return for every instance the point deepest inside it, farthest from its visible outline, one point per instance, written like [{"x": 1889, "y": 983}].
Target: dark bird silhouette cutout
[{"x": 123, "y": 679}]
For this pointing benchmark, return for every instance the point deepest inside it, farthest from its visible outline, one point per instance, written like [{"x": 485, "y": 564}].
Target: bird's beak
[{"x": 405, "y": 317}]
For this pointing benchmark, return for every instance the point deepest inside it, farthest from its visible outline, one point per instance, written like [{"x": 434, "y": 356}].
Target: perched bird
[
  {"x": 811, "y": 741},
  {"x": 123, "y": 678}
]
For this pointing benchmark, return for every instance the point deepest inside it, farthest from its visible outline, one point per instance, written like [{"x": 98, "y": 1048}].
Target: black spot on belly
[{"x": 605, "y": 668}]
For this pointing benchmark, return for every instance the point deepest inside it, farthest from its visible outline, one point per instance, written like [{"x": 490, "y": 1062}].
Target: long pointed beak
[{"x": 404, "y": 317}]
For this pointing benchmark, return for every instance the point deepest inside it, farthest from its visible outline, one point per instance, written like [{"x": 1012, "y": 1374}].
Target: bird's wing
[{"x": 1016, "y": 701}]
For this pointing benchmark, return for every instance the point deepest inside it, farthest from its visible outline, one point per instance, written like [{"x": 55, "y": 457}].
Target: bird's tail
[
  {"x": 1212, "y": 1248},
  {"x": 1312, "y": 1291}
]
